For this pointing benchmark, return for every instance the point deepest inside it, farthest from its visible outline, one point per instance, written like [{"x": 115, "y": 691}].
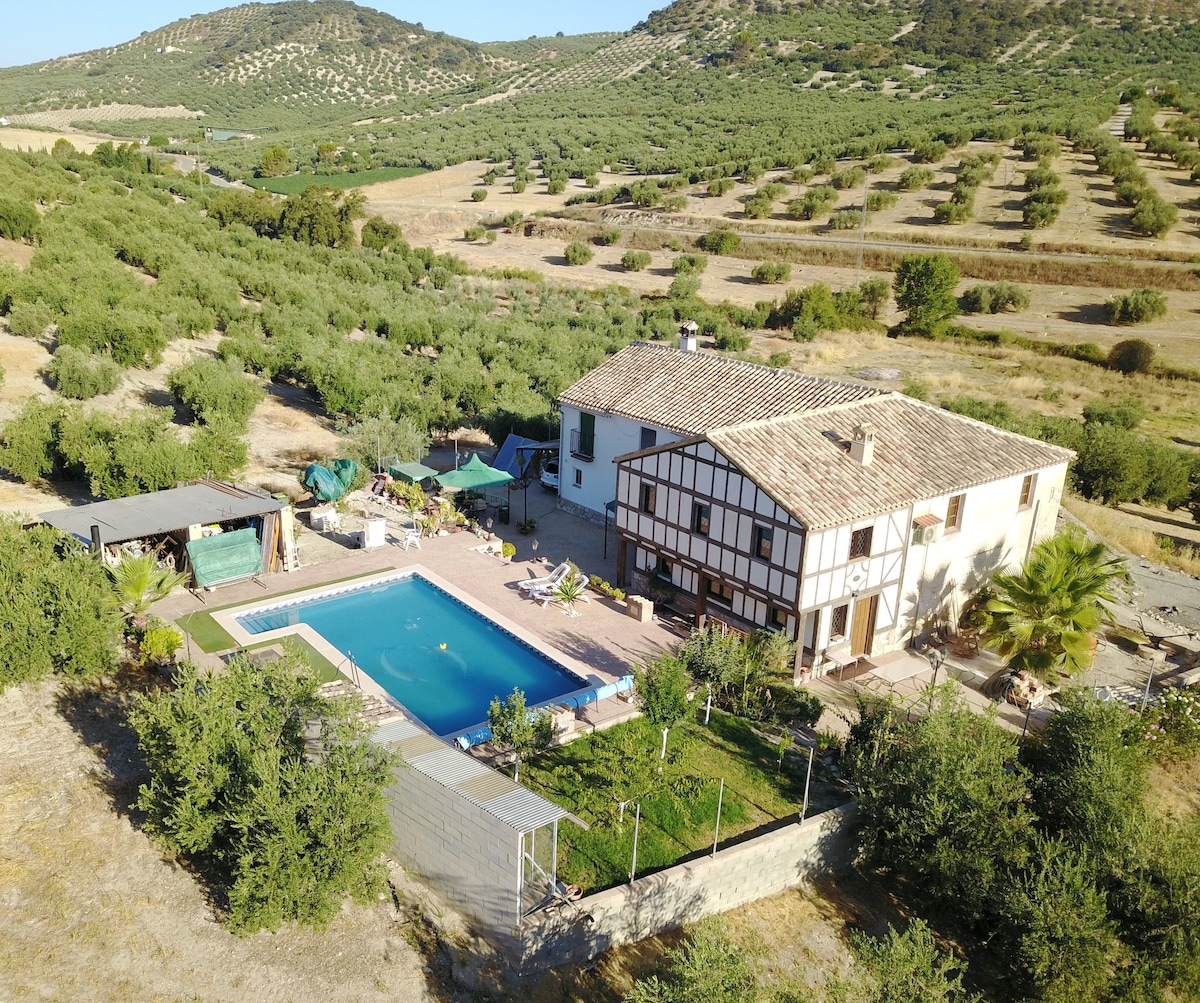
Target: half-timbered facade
[{"x": 850, "y": 527}]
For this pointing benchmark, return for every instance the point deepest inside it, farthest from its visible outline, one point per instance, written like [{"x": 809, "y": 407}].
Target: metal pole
[
  {"x": 636, "y": 825},
  {"x": 807, "y": 781},
  {"x": 717, "y": 828},
  {"x": 708, "y": 706},
  {"x": 663, "y": 754}
]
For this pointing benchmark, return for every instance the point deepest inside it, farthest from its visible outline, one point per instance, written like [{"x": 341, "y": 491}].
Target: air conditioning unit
[{"x": 923, "y": 533}]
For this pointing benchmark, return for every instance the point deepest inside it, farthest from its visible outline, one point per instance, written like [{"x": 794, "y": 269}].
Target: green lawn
[
  {"x": 679, "y": 806},
  {"x": 294, "y": 184}
]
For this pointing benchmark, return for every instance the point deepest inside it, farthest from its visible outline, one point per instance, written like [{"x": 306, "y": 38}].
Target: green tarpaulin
[
  {"x": 411, "y": 472},
  {"x": 323, "y": 483},
  {"x": 226, "y": 557}
]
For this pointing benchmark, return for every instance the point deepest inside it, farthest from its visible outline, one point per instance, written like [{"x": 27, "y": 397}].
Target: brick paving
[{"x": 601, "y": 636}]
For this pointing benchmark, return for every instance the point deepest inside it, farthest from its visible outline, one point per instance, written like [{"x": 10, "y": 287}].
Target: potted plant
[
  {"x": 508, "y": 550},
  {"x": 527, "y": 527}
]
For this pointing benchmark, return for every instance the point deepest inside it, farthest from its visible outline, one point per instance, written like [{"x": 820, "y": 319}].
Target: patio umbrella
[{"x": 474, "y": 475}]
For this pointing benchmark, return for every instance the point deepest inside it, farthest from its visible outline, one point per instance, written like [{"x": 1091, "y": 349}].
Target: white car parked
[{"x": 550, "y": 475}]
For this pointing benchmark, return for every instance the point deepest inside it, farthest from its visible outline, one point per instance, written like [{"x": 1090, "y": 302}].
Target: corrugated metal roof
[
  {"x": 502, "y": 798},
  {"x": 921, "y": 451},
  {"x": 691, "y": 392},
  {"x": 160, "y": 512}
]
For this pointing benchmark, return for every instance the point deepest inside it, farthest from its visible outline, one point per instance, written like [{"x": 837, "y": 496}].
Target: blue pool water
[{"x": 439, "y": 658}]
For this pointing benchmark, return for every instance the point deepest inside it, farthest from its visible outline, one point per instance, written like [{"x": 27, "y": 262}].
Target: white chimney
[
  {"x": 687, "y": 336},
  {"x": 862, "y": 445}
]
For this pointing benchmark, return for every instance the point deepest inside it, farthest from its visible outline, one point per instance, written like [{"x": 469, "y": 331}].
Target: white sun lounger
[{"x": 549, "y": 581}]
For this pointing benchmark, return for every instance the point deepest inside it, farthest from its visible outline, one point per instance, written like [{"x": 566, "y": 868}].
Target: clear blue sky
[{"x": 33, "y": 30}]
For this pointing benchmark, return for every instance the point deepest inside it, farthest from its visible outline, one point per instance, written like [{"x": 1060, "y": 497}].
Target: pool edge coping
[{"x": 588, "y": 676}]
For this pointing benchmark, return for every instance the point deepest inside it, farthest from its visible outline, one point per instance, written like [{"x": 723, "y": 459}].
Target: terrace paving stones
[{"x": 603, "y": 637}]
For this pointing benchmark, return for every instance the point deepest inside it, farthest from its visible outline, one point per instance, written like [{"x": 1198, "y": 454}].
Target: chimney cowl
[
  {"x": 687, "y": 336},
  {"x": 862, "y": 443}
]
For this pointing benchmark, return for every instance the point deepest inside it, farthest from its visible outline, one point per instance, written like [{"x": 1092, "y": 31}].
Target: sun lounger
[
  {"x": 548, "y": 581},
  {"x": 547, "y": 594}
]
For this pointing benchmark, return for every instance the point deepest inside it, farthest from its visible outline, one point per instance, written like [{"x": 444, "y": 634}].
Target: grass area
[
  {"x": 210, "y": 636},
  {"x": 294, "y": 184},
  {"x": 592, "y": 775}
]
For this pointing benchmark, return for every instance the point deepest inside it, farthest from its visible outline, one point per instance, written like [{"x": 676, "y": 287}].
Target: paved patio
[{"x": 601, "y": 636}]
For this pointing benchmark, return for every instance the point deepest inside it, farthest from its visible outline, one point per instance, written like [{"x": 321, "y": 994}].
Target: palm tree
[
  {"x": 1045, "y": 616},
  {"x": 140, "y": 582}
]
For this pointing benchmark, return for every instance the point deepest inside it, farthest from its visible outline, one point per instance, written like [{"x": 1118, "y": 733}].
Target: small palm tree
[
  {"x": 139, "y": 582},
  {"x": 1045, "y": 616}
]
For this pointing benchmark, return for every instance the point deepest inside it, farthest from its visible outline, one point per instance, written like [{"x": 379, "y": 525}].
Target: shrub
[
  {"x": 30, "y": 320},
  {"x": 815, "y": 202},
  {"x": 720, "y": 242},
  {"x": 878, "y": 201},
  {"x": 609, "y": 237},
  {"x": 18, "y": 218},
  {"x": 478, "y": 194},
  {"x": 215, "y": 390},
  {"x": 284, "y": 834},
  {"x": 914, "y": 179},
  {"x": 720, "y": 186},
  {"x": 61, "y": 613},
  {"x": 159, "y": 644},
  {"x": 995, "y": 298},
  {"x": 1134, "y": 355},
  {"x": 80, "y": 375},
  {"x": 771, "y": 272},
  {"x": 852, "y": 177},
  {"x": 689, "y": 264},
  {"x": 518, "y": 186},
  {"x": 635, "y": 261},
  {"x": 476, "y": 232},
  {"x": 578, "y": 253},
  {"x": 758, "y": 207},
  {"x": 1137, "y": 307},
  {"x": 847, "y": 219},
  {"x": 730, "y": 339},
  {"x": 514, "y": 219}
]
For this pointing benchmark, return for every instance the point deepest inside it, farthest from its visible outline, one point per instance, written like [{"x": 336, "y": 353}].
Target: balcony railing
[{"x": 583, "y": 447}]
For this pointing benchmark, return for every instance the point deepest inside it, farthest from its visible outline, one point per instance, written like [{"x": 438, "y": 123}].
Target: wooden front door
[{"x": 862, "y": 626}]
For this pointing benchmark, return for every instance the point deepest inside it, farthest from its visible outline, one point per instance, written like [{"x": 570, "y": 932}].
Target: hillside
[
  {"x": 256, "y": 65},
  {"x": 296, "y": 64}
]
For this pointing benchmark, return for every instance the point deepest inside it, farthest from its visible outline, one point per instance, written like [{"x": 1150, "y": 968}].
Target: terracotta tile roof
[
  {"x": 691, "y": 392},
  {"x": 921, "y": 452}
]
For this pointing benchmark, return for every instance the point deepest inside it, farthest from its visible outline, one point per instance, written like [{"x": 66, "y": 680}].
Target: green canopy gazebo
[{"x": 474, "y": 475}]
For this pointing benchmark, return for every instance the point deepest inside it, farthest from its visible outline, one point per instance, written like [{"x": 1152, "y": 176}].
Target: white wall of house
[
  {"x": 593, "y": 484},
  {"x": 833, "y": 578},
  {"x": 995, "y": 531}
]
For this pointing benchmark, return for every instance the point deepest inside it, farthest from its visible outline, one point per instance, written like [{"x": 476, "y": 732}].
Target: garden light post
[
  {"x": 637, "y": 821},
  {"x": 717, "y": 828},
  {"x": 807, "y": 781}
]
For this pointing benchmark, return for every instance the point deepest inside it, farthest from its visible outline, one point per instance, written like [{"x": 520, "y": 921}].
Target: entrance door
[{"x": 862, "y": 626}]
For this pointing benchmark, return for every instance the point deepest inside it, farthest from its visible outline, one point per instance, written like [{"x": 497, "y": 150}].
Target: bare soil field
[
  {"x": 92, "y": 910},
  {"x": 15, "y": 138}
]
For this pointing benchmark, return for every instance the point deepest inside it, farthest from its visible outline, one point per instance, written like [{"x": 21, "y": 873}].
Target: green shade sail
[{"x": 474, "y": 475}]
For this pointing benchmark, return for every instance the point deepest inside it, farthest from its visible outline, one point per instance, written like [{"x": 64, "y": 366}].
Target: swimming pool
[{"x": 425, "y": 647}]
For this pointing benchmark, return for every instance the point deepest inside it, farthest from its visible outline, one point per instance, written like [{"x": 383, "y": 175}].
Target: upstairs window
[
  {"x": 649, "y": 438},
  {"x": 1026, "y": 498},
  {"x": 764, "y": 536},
  {"x": 701, "y": 519},
  {"x": 649, "y": 497},
  {"x": 860, "y": 542},
  {"x": 954, "y": 513}
]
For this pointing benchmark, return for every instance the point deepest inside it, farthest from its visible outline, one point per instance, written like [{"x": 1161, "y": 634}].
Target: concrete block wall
[
  {"x": 465, "y": 853},
  {"x": 757, "y": 868}
]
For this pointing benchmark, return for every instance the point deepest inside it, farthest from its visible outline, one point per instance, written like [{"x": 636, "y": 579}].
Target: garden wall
[
  {"x": 740, "y": 873},
  {"x": 463, "y": 851}
]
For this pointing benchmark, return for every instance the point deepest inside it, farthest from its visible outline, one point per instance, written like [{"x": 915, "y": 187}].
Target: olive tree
[
  {"x": 924, "y": 287},
  {"x": 273, "y": 792}
]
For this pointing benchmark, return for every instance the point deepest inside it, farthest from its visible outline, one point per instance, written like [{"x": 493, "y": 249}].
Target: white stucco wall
[
  {"x": 995, "y": 533},
  {"x": 614, "y": 437}
]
